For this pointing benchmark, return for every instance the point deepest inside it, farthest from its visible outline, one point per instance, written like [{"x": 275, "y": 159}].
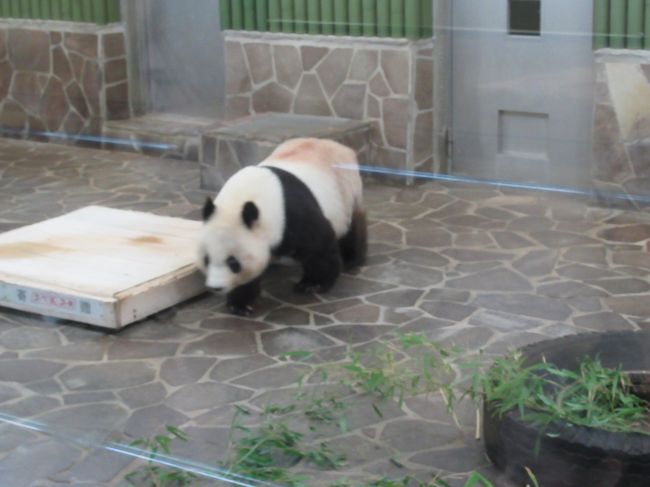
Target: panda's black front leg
[
  {"x": 320, "y": 271},
  {"x": 240, "y": 300}
]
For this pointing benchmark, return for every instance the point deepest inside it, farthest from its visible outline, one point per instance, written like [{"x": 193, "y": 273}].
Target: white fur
[
  {"x": 225, "y": 234},
  {"x": 262, "y": 187}
]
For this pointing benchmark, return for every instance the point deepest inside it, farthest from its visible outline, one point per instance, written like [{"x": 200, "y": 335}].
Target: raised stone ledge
[
  {"x": 61, "y": 26},
  {"x": 250, "y": 140},
  {"x": 608, "y": 55},
  {"x": 321, "y": 40}
]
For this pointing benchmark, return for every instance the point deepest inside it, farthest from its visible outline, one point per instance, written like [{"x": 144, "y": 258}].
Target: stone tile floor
[{"x": 480, "y": 267}]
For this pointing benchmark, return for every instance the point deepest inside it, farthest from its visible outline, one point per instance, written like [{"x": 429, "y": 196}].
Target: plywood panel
[{"x": 103, "y": 257}]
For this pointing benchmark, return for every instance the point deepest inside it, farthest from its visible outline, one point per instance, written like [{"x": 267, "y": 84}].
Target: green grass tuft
[{"x": 592, "y": 395}]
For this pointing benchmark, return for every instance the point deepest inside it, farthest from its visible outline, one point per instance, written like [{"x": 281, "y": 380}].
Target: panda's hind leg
[
  {"x": 320, "y": 271},
  {"x": 354, "y": 244}
]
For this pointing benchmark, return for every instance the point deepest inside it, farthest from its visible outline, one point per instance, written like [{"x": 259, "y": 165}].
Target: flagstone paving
[{"x": 479, "y": 267}]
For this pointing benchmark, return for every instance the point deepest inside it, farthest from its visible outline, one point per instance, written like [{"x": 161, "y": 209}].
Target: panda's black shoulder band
[
  {"x": 208, "y": 209},
  {"x": 306, "y": 228}
]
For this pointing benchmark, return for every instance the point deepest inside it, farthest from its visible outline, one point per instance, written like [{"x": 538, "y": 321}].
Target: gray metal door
[
  {"x": 183, "y": 57},
  {"x": 522, "y": 90}
]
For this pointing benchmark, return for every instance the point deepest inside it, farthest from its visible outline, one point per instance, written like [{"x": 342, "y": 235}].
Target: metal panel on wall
[{"x": 182, "y": 57}]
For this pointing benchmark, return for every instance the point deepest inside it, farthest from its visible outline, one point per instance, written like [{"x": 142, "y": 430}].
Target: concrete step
[
  {"x": 166, "y": 135},
  {"x": 249, "y": 140}
]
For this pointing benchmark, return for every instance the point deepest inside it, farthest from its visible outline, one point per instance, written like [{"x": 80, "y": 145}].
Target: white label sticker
[{"x": 47, "y": 300}]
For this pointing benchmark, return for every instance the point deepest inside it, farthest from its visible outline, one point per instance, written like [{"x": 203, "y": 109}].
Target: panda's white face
[
  {"x": 231, "y": 257},
  {"x": 232, "y": 251}
]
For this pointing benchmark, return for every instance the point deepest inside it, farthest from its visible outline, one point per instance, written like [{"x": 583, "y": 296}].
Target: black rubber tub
[{"x": 576, "y": 456}]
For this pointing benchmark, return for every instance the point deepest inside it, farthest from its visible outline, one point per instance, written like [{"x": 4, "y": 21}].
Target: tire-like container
[{"x": 576, "y": 456}]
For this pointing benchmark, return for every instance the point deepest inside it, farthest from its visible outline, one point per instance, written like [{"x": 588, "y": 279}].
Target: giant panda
[{"x": 303, "y": 202}]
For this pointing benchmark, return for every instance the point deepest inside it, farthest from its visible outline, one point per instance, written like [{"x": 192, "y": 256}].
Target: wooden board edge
[
  {"x": 136, "y": 306},
  {"x": 56, "y": 304},
  {"x": 54, "y": 288},
  {"x": 159, "y": 281}
]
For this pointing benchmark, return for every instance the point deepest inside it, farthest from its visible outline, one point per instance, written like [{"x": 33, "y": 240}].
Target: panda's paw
[{"x": 240, "y": 310}]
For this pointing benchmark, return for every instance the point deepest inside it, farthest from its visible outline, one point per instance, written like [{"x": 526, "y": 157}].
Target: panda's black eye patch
[
  {"x": 233, "y": 264},
  {"x": 206, "y": 260}
]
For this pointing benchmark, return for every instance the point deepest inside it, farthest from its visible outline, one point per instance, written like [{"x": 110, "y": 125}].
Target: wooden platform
[{"x": 100, "y": 266}]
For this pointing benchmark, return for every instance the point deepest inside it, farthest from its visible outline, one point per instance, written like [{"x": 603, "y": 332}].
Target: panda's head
[{"x": 231, "y": 252}]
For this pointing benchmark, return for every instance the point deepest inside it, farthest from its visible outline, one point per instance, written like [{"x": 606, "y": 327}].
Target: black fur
[
  {"x": 308, "y": 236},
  {"x": 354, "y": 244},
  {"x": 208, "y": 209},
  {"x": 250, "y": 214},
  {"x": 240, "y": 300},
  {"x": 233, "y": 264}
]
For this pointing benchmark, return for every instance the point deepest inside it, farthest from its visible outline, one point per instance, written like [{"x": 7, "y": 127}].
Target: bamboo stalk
[
  {"x": 76, "y": 11},
  {"x": 249, "y": 14},
  {"x": 427, "y": 18},
  {"x": 274, "y": 16},
  {"x": 35, "y": 11},
  {"x": 87, "y": 11},
  {"x": 397, "y": 18},
  {"x": 327, "y": 16},
  {"x": 355, "y": 17},
  {"x": 412, "y": 19},
  {"x": 113, "y": 10},
  {"x": 56, "y": 9},
  {"x": 383, "y": 18},
  {"x": 66, "y": 10},
  {"x": 262, "y": 16},
  {"x": 646, "y": 26},
  {"x": 18, "y": 9},
  {"x": 617, "y": 24},
  {"x": 44, "y": 9},
  {"x": 601, "y": 22},
  {"x": 340, "y": 17},
  {"x": 99, "y": 11},
  {"x": 313, "y": 17},
  {"x": 369, "y": 18},
  {"x": 300, "y": 15},
  {"x": 236, "y": 14},
  {"x": 287, "y": 16},
  {"x": 634, "y": 28},
  {"x": 225, "y": 14}
]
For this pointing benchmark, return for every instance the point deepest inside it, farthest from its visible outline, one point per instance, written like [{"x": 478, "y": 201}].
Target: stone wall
[
  {"x": 622, "y": 122},
  {"x": 61, "y": 77},
  {"x": 388, "y": 82}
]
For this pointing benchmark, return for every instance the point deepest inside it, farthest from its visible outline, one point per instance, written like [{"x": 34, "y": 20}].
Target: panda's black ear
[
  {"x": 250, "y": 214},
  {"x": 208, "y": 209}
]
